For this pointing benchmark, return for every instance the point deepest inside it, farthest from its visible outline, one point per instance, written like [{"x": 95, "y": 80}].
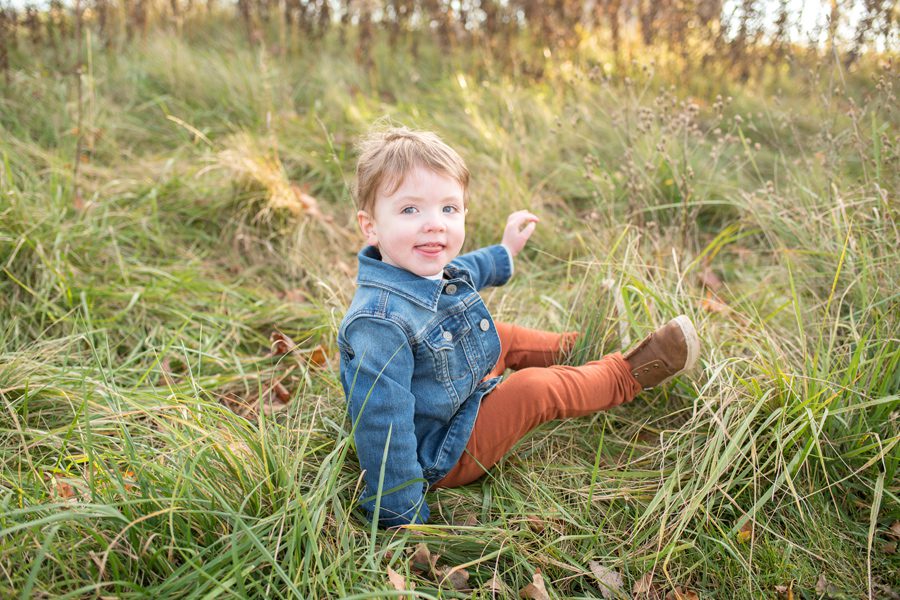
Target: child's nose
[{"x": 435, "y": 222}]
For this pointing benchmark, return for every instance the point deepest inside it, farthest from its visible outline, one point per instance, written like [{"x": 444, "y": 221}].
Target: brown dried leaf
[
  {"x": 889, "y": 548},
  {"x": 536, "y": 524},
  {"x": 682, "y": 594},
  {"x": 709, "y": 279},
  {"x": 318, "y": 356},
  {"x": 786, "y": 590},
  {"x": 397, "y": 580},
  {"x": 62, "y": 489},
  {"x": 712, "y": 304},
  {"x": 458, "y": 578},
  {"x": 536, "y": 589},
  {"x": 824, "y": 587},
  {"x": 610, "y": 581},
  {"x": 310, "y": 205},
  {"x": 270, "y": 402},
  {"x": 280, "y": 344},
  {"x": 894, "y": 531},
  {"x": 469, "y": 520},
  {"x": 422, "y": 559},
  {"x": 496, "y": 585},
  {"x": 166, "y": 376},
  {"x": 128, "y": 476},
  {"x": 746, "y": 532},
  {"x": 295, "y": 295},
  {"x": 645, "y": 588},
  {"x": 821, "y": 584},
  {"x": 281, "y": 393}
]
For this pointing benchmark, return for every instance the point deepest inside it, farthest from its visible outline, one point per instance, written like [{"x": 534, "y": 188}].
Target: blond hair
[{"x": 387, "y": 156}]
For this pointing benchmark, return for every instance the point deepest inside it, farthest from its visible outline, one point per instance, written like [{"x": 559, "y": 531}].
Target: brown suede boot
[{"x": 665, "y": 353}]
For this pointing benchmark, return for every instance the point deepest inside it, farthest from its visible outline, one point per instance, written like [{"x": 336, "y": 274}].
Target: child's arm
[
  {"x": 382, "y": 409},
  {"x": 493, "y": 266}
]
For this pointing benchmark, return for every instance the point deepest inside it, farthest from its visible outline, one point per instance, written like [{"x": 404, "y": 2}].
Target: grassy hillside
[{"x": 154, "y": 445}]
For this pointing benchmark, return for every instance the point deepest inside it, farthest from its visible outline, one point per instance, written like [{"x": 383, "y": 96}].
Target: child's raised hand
[{"x": 519, "y": 227}]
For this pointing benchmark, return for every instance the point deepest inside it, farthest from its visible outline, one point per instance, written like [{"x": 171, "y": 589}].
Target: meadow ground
[{"x": 154, "y": 445}]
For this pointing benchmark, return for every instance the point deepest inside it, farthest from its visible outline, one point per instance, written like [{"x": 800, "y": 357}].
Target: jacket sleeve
[
  {"x": 382, "y": 409},
  {"x": 490, "y": 266}
]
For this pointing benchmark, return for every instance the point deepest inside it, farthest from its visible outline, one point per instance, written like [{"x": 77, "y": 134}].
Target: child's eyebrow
[{"x": 453, "y": 198}]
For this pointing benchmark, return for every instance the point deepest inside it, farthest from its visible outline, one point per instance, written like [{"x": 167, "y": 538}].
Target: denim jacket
[{"x": 414, "y": 352}]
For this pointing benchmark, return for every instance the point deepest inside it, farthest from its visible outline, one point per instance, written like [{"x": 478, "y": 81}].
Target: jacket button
[
  {"x": 485, "y": 325},
  {"x": 450, "y": 289},
  {"x": 448, "y": 336}
]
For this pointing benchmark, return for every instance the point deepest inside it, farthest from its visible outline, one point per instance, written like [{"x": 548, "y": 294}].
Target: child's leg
[
  {"x": 521, "y": 348},
  {"x": 533, "y": 396}
]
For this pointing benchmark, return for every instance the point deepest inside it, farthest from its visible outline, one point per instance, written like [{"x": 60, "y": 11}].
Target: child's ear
[{"x": 367, "y": 226}]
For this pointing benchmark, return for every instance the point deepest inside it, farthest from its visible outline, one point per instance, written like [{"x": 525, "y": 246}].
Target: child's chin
[{"x": 428, "y": 269}]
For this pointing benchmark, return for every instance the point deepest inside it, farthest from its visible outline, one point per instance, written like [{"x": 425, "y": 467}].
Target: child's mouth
[{"x": 430, "y": 249}]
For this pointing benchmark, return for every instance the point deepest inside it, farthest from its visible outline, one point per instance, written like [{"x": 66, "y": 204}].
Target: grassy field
[{"x": 153, "y": 445}]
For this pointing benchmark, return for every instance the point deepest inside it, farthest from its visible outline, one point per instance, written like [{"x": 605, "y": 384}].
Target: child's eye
[
  {"x": 450, "y": 208},
  {"x": 409, "y": 210}
]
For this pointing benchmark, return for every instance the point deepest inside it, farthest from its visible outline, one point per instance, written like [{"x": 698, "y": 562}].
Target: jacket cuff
[
  {"x": 512, "y": 264},
  {"x": 502, "y": 268}
]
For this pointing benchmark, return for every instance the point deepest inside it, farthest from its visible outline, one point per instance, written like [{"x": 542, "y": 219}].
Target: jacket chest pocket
[{"x": 452, "y": 349}]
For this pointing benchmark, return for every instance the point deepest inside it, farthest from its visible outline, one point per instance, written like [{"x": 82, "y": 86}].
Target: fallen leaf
[
  {"x": 746, "y": 532},
  {"x": 275, "y": 399},
  {"x": 709, "y": 279},
  {"x": 645, "y": 588},
  {"x": 318, "y": 356},
  {"x": 309, "y": 204},
  {"x": 610, "y": 581},
  {"x": 166, "y": 377},
  {"x": 458, "y": 578},
  {"x": 682, "y": 594},
  {"x": 281, "y": 393},
  {"x": 536, "y": 524},
  {"x": 535, "y": 590},
  {"x": 62, "y": 489},
  {"x": 889, "y": 548},
  {"x": 280, "y": 344},
  {"x": 712, "y": 304},
  {"x": 128, "y": 476},
  {"x": 397, "y": 580},
  {"x": 496, "y": 585},
  {"x": 786, "y": 590},
  {"x": 823, "y": 586},
  {"x": 470, "y": 520},
  {"x": 422, "y": 559},
  {"x": 894, "y": 531},
  {"x": 296, "y": 295}
]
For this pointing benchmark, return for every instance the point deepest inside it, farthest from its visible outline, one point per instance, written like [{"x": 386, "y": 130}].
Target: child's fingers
[
  {"x": 529, "y": 229},
  {"x": 522, "y": 216},
  {"x": 519, "y": 220}
]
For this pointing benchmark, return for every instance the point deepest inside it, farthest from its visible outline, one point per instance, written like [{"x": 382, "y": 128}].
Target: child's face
[{"x": 421, "y": 226}]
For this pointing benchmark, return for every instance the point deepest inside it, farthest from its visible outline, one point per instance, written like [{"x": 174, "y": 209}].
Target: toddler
[{"x": 421, "y": 357}]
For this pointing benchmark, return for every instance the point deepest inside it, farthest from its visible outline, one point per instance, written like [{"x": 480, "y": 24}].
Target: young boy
[{"x": 421, "y": 357}]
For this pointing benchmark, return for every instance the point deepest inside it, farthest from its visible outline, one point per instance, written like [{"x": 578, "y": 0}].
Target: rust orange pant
[{"x": 539, "y": 390}]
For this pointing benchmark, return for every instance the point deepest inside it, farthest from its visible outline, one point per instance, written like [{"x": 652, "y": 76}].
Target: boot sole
[{"x": 692, "y": 340}]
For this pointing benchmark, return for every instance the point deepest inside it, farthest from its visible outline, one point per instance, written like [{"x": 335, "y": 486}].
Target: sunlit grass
[{"x": 138, "y": 459}]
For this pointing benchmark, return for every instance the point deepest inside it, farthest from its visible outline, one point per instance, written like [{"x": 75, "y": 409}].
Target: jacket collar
[{"x": 373, "y": 272}]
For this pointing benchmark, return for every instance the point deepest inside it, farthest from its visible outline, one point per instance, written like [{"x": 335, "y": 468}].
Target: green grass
[{"x": 134, "y": 329}]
